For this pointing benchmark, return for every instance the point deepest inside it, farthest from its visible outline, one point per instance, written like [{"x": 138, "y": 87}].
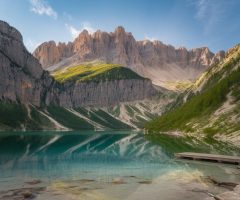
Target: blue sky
[{"x": 189, "y": 23}]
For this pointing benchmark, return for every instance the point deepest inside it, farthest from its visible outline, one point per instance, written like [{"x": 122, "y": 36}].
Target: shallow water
[{"x": 101, "y": 165}]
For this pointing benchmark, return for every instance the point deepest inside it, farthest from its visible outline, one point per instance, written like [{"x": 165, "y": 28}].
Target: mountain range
[
  {"x": 111, "y": 81},
  {"x": 165, "y": 65},
  {"x": 32, "y": 98}
]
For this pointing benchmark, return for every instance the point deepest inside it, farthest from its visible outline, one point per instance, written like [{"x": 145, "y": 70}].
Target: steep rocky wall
[
  {"x": 100, "y": 94},
  {"x": 22, "y": 78},
  {"x": 121, "y": 47},
  {"x": 17, "y": 85}
]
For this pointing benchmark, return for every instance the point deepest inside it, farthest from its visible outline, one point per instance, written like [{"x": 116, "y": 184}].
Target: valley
[{"x": 89, "y": 93}]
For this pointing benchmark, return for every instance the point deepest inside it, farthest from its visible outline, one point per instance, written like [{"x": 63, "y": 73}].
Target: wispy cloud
[
  {"x": 84, "y": 26},
  {"x": 42, "y": 7},
  {"x": 31, "y": 44},
  {"x": 210, "y": 12},
  {"x": 150, "y": 38}
]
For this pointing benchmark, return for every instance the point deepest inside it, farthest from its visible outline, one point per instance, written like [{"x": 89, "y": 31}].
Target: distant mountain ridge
[{"x": 152, "y": 59}]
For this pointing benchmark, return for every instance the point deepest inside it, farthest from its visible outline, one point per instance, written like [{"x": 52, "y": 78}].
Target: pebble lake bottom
[{"x": 108, "y": 165}]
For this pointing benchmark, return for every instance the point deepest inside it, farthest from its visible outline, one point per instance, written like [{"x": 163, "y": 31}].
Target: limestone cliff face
[
  {"x": 151, "y": 59},
  {"x": 53, "y": 53},
  {"x": 22, "y": 78},
  {"x": 103, "y": 93},
  {"x": 11, "y": 46}
]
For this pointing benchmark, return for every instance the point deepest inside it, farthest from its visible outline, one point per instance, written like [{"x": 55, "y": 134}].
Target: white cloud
[
  {"x": 42, "y": 7},
  {"x": 84, "y": 26},
  {"x": 150, "y": 38},
  {"x": 31, "y": 44},
  {"x": 73, "y": 31}
]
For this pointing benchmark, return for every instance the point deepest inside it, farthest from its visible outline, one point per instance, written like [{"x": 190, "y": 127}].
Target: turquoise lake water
[{"x": 102, "y": 165}]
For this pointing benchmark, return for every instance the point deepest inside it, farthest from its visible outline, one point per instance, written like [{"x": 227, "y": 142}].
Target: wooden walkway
[{"x": 209, "y": 157}]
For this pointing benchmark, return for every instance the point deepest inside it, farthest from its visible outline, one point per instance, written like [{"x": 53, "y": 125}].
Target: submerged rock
[
  {"x": 118, "y": 181},
  {"x": 33, "y": 182},
  {"x": 229, "y": 196},
  {"x": 27, "y": 194},
  {"x": 21, "y": 193},
  {"x": 145, "y": 182},
  {"x": 237, "y": 189}
]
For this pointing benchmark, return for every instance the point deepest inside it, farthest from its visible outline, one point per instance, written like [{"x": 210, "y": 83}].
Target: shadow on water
[{"x": 172, "y": 144}]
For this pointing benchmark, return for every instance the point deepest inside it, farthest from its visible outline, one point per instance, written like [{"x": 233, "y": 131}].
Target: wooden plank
[{"x": 209, "y": 157}]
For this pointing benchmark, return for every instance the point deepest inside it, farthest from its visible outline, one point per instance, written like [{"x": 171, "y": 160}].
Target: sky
[{"x": 181, "y": 23}]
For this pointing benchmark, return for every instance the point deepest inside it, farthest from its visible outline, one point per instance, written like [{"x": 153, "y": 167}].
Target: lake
[{"x": 107, "y": 165}]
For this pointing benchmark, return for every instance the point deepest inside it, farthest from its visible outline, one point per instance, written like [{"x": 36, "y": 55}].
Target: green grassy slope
[
  {"x": 198, "y": 112},
  {"x": 103, "y": 118},
  {"x": 68, "y": 119},
  {"x": 125, "y": 116},
  {"x": 94, "y": 72},
  {"x": 14, "y": 116}
]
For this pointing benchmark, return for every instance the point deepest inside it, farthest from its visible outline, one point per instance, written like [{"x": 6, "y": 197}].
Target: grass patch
[
  {"x": 210, "y": 131},
  {"x": 179, "y": 85},
  {"x": 94, "y": 72},
  {"x": 129, "y": 110},
  {"x": 39, "y": 121},
  {"x": 12, "y": 115},
  {"x": 150, "y": 115},
  {"x": 104, "y": 119},
  {"x": 68, "y": 119},
  {"x": 112, "y": 122}
]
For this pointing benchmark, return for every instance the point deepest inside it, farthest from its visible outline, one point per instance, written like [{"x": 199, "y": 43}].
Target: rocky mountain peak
[
  {"x": 82, "y": 45},
  {"x": 218, "y": 57},
  {"x": 182, "y": 48},
  {"x": 10, "y": 32},
  {"x": 100, "y": 36},
  {"x": 119, "y": 30},
  {"x": 84, "y": 35},
  {"x": 21, "y": 74},
  {"x": 12, "y": 47},
  {"x": 84, "y": 32}
]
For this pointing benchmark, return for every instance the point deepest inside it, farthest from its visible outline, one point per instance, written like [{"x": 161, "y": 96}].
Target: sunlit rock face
[
  {"x": 22, "y": 77},
  {"x": 151, "y": 59},
  {"x": 104, "y": 93}
]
